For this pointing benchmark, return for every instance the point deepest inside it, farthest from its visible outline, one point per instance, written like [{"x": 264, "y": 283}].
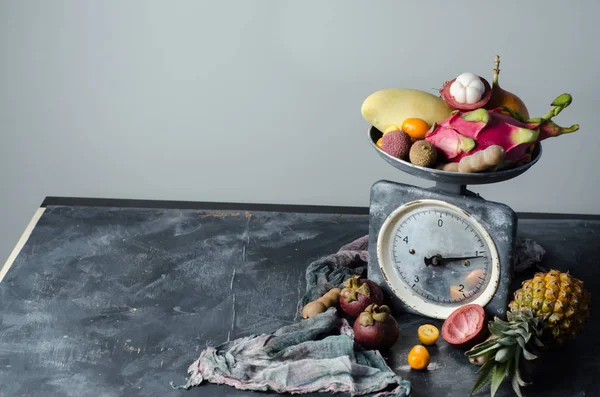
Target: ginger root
[
  {"x": 331, "y": 298},
  {"x": 451, "y": 167},
  {"x": 488, "y": 159},
  {"x": 480, "y": 161}
]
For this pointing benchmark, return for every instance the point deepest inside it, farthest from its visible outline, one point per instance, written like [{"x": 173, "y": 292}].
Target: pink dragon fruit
[{"x": 465, "y": 133}]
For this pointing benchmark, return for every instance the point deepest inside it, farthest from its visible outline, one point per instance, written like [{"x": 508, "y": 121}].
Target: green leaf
[
  {"x": 479, "y": 347},
  {"x": 526, "y": 353},
  {"x": 517, "y": 376},
  {"x": 508, "y": 370},
  {"x": 524, "y": 334},
  {"x": 507, "y": 341},
  {"x": 481, "y": 352},
  {"x": 515, "y": 386},
  {"x": 537, "y": 342},
  {"x": 498, "y": 328},
  {"x": 563, "y": 100},
  {"x": 514, "y": 114},
  {"x": 504, "y": 354},
  {"x": 520, "y": 380},
  {"x": 497, "y": 377},
  {"x": 484, "y": 378},
  {"x": 499, "y": 321}
]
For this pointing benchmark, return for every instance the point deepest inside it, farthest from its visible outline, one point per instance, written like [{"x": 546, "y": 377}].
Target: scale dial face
[{"x": 436, "y": 257}]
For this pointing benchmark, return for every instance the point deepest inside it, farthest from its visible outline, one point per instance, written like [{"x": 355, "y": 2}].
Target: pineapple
[
  {"x": 549, "y": 309},
  {"x": 558, "y": 300}
]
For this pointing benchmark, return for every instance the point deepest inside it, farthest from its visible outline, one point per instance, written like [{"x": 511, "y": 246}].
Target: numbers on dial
[{"x": 460, "y": 275}]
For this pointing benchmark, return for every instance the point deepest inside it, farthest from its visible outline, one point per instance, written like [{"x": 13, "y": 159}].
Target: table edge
[
  {"x": 21, "y": 242},
  {"x": 268, "y": 207}
]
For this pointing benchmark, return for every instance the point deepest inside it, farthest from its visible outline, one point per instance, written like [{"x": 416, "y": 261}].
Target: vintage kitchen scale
[{"x": 435, "y": 249}]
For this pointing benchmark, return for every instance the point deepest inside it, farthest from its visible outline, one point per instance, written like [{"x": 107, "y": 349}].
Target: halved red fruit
[
  {"x": 465, "y": 327},
  {"x": 451, "y": 101}
]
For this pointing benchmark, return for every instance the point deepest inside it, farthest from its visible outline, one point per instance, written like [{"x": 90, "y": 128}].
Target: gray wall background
[{"x": 259, "y": 101}]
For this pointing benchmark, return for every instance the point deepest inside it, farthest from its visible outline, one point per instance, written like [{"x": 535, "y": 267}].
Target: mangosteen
[
  {"x": 467, "y": 92},
  {"x": 375, "y": 328},
  {"x": 358, "y": 294},
  {"x": 465, "y": 326}
]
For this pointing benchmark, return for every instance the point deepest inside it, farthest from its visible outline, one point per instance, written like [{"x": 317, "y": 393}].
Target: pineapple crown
[{"x": 509, "y": 342}]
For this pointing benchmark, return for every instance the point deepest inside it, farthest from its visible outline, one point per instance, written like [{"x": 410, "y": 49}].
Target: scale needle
[{"x": 437, "y": 260}]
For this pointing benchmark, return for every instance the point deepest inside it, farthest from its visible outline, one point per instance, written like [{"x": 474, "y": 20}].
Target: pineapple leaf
[
  {"x": 479, "y": 347},
  {"x": 537, "y": 341},
  {"x": 481, "y": 351},
  {"x": 507, "y": 341},
  {"x": 498, "y": 328},
  {"x": 515, "y": 386},
  {"x": 523, "y": 326},
  {"x": 499, "y": 321},
  {"x": 486, "y": 371},
  {"x": 505, "y": 354},
  {"x": 524, "y": 334},
  {"x": 528, "y": 355},
  {"x": 518, "y": 378},
  {"x": 508, "y": 370},
  {"x": 497, "y": 377}
]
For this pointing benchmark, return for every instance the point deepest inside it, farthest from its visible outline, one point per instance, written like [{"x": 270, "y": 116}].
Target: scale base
[{"x": 499, "y": 220}]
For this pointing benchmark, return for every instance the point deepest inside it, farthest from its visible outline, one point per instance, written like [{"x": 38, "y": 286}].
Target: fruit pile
[
  {"x": 547, "y": 310},
  {"x": 363, "y": 302},
  {"x": 472, "y": 126}
]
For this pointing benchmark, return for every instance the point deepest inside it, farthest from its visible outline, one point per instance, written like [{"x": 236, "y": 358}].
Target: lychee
[
  {"x": 396, "y": 143},
  {"x": 423, "y": 153}
]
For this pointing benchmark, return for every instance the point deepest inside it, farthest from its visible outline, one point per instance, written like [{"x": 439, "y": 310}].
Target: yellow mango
[{"x": 394, "y": 105}]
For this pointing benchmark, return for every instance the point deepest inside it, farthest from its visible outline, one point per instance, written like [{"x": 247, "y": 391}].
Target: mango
[{"x": 394, "y": 105}]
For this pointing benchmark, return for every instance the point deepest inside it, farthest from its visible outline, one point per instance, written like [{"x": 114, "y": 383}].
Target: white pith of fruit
[{"x": 467, "y": 88}]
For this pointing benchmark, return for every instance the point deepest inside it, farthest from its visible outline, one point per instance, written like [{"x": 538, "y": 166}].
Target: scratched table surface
[{"x": 109, "y": 300}]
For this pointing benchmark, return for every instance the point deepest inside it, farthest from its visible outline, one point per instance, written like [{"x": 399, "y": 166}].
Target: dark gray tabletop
[{"x": 113, "y": 301}]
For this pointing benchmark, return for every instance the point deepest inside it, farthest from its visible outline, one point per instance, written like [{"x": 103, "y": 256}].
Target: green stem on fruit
[
  {"x": 550, "y": 128},
  {"x": 560, "y": 103},
  {"x": 365, "y": 319},
  {"x": 496, "y": 70},
  {"x": 514, "y": 114},
  {"x": 563, "y": 100}
]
